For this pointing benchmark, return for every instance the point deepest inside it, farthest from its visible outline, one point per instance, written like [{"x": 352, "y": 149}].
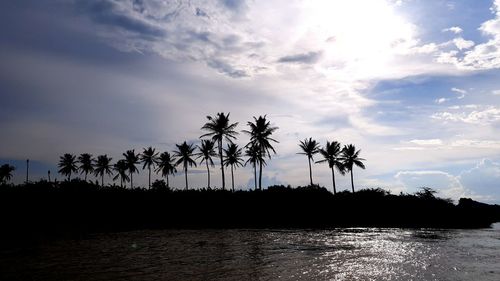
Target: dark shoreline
[{"x": 78, "y": 208}]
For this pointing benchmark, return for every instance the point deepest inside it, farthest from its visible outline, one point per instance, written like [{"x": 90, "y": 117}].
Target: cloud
[
  {"x": 113, "y": 14},
  {"x": 447, "y": 185},
  {"x": 486, "y": 116},
  {"x": 227, "y": 69},
  {"x": 427, "y": 142},
  {"x": 307, "y": 58},
  {"x": 454, "y": 29},
  {"x": 441, "y": 100},
  {"x": 463, "y": 44},
  {"x": 461, "y": 92},
  {"x": 496, "y": 92},
  {"x": 483, "y": 179}
]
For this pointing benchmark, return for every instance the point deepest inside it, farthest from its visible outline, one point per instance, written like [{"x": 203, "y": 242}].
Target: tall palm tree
[
  {"x": 184, "y": 153},
  {"x": 67, "y": 165},
  {"x": 349, "y": 158},
  {"x": 233, "y": 159},
  {"x": 103, "y": 166},
  {"x": 260, "y": 136},
  {"x": 254, "y": 154},
  {"x": 149, "y": 158},
  {"x": 166, "y": 165},
  {"x": 6, "y": 173},
  {"x": 86, "y": 164},
  {"x": 207, "y": 151},
  {"x": 219, "y": 128},
  {"x": 309, "y": 148},
  {"x": 121, "y": 171},
  {"x": 331, "y": 155},
  {"x": 131, "y": 159}
]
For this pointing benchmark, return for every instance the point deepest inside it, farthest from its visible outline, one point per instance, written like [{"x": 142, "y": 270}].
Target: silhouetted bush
[{"x": 79, "y": 207}]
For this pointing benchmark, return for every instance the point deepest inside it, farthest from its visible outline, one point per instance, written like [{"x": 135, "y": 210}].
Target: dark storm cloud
[
  {"x": 107, "y": 13},
  {"x": 306, "y": 58}
]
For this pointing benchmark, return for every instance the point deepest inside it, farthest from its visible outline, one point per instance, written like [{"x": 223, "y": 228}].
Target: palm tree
[
  {"x": 103, "y": 166},
  {"x": 184, "y": 153},
  {"x": 149, "y": 157},
  {"x": 349, "y": 158},
  {"x": 67, "y": 165},
  {"x": 121, "y": 171},
  {"x": 6, "y": 173},
  {"x": 207, "y": 151},
  {"x": 233, "y": 159},
  {"x": 309, "y": 148},
  {"x": 86, "y": 164},
  {"x": 219, "y": 128},
  {"x": 331, "y": 155},
  {"x": 131, "y": 159},
  {"x": 166, "y": 165},
  {"x": 260, "y": 136},
  {"x": 254, "y": 154}
]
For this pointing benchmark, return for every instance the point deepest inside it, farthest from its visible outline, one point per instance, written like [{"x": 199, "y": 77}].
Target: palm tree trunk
[
  {"x": 149, "y": 178},
  {"x": 260, "y": 175},
  {"x": 333, "y": 181},
  {"x": 222, "y": 165},
  {"x": 85, "y": 176},
  {"x": 255, "y": 174},
  {"x": 208, "y": 174},
  {"x": 131, "y": 181},
  {"x": 69, "y": 177},
  {"x": 310, "y": 171},
  {"x": 232, "y": 178},
  {"x": 186, "y": 175},
  {"x": 352, "y": 182},
  {"x": 167, "y": 182},
  {"x": 102, "y": 179}
]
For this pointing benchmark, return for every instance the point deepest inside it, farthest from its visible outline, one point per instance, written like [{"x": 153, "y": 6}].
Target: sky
[{"x": 412, "y": 83}]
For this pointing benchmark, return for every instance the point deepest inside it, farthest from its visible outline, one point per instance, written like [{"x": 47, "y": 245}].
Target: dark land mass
[{"x": 76, "y": 208}]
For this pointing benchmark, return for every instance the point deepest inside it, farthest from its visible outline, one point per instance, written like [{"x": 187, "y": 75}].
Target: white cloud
[
  {"x": 426, "y": 142},
  {"x": 441, "y": 100},
  {"x": 462, "y": 92},
  {"x": 463, "y": 44},
  {"x": 454, "y": 29},
  {"x": 483, "y": 179},
  {"x": 486, "y": 116},
  {"x": 496, "y": 92},
  {"x": 447, "y": 185}
]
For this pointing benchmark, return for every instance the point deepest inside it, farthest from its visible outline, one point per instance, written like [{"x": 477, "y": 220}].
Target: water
[{"x": 338, "y": 254}]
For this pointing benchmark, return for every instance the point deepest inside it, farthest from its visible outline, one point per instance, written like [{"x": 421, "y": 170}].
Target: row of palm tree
[
  {"x": 341, "y": 159},
  {"x": 219, "y": 131}
]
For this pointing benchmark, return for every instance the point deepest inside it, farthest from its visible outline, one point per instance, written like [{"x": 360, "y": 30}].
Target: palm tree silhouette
[
  {"x": 233, "y": 159},
  {"x": 219, "y": 128},
  {"x": 103, "y": 166},
  {"x": 349, "y": 158},
  {"x": 67, "y": 165},
  {"x": 6, "y": 173},
  {"x": 331, "y": 155},
  {"x": 86, "y": 164},
  {"x": 310, "y": 147},
  {"x": 149, "y": 157},
  {"x": 260, "y": 136},
  {"x": 131, "y": 159},
  {"x": 207, "y": 151},
  {"x": 184, "y": 153},
  {"x": 255, "y": 155},
  {"x": 121, "y": 168},
  {"x": 166, "y": 165}
]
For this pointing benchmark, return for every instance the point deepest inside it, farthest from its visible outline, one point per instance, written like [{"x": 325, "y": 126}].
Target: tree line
[{"x": 218, "y": 131}]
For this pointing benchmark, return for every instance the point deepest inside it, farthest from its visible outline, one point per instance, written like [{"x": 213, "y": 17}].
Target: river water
[{"x": 337, "y": 254}]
